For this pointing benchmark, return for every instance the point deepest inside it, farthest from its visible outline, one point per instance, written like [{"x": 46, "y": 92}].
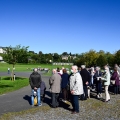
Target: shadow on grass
[
  {"x": 16, "y": 78},
  {"x": 4, "y": 86}
]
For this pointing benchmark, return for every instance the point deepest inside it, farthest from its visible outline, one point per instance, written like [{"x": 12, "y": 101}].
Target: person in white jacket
[
  {"x": 106, "y": 79},
  {"x": 76, "y": 88}
]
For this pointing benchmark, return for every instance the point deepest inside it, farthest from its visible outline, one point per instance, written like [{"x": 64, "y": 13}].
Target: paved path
[{"x": 19, "y": 99}]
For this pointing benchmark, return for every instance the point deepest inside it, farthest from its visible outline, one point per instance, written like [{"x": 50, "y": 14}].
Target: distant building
[
  {"x": 1, "y": 49},
  {"x": 65, "y": 57},
  {"x": 1, "y": 52}
]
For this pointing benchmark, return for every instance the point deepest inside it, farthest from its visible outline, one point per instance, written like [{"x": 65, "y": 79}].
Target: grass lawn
[
  {"x": 28, "y": 67},
  {"x": 6, "y": 85}
]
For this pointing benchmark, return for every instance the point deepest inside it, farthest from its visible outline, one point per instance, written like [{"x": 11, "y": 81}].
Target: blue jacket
[{"x": 65, "y": 80}]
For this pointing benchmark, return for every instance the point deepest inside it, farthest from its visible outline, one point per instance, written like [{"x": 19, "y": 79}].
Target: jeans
[
  {"x": 55, "y": 99},
  {"x": 85, "y": 95},
  {"x": 38, "y": 97},
  {"x": 75, "y": 102},
  {"x": 116, "y": 87},
  {"x": 107, "y": 96},
  {"x": 99, "y": 87}
]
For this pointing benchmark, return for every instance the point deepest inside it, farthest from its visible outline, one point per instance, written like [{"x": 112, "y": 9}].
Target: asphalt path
[{"x": 20, "y": 99}]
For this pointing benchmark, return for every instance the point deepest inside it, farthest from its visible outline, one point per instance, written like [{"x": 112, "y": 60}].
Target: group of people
[{"x": 76, "y": 84}]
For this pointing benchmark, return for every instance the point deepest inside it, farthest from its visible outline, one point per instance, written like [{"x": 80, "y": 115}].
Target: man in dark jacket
[
  {"x": 64, "y": 84},
  {"x": 98, "y": 82},
  {"x": 86, "y": 79},
  {"x": 35, "y": 83}
]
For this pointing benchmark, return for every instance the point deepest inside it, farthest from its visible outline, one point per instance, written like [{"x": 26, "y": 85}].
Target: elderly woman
[
  {"x": 115, "y": 76},
  {"x": 106, "y": 79}
]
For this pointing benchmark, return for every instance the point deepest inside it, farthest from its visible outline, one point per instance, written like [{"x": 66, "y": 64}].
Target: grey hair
[
  {"x": 97, "y": 67},
  {"x": 54, "y": 70},
  {"x": 82, "y": 66},
  {"x": 75, "y": 66},
  {"x": 35, "y": 69}
]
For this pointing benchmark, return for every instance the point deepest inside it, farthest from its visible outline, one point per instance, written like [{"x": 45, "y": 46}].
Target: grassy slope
[{"x": 6, "y": 85}]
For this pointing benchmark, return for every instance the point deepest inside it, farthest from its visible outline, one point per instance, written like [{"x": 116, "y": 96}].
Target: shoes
[
  {"x": 93, "y": 89},
  {"x": 107, "y": 100},
  {"x": 98, "y": 96},
  {"x": 40, "y": 105},
  {"x": 74, "y": 112}
]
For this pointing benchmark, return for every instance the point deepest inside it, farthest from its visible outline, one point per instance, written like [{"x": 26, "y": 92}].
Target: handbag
[
  {"x": 112, "y": 82},
  {"x": 35, "y": 100}
]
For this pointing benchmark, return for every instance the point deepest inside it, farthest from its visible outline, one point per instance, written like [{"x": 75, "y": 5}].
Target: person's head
[
  {"x": 116, "y": 65},
  {"x": 58, "y": 69},
  {"x": 97, "y": 68},
  {"x": 115, "y": 69},
  {"x": 82, "y": 66},
  {"x": 74, "y": 69},
  {"x": 63, "y": 68},
  {"x": 54, "y": 71},
  {"x": 79, "y": 68},
  {"x": 35, "y": 70},
  {"x": 64, "y": 71},
  {"x": 106, "y": 69},
  {"x": 92, "y": 69}
]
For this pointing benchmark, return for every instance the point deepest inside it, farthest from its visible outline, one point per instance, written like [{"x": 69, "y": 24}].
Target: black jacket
[
  {"x": 85, "y": 76},
  {"x": 35, "y": 80},
  {"x": 65, "y": 80},
  {"x": 97, "y": 75}
]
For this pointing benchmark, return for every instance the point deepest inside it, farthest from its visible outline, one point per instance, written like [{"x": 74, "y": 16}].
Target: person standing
[
  {"x": 86, "y": 80},
  {"x": 35, "y": 83},
  {"x": 76, "y": 88},
  {"x": 118, "y": 68},
  {"x": 106, "y": 79},
  {"x": 98, "y": 82},
  {"x": 55, "y": 85},
  {"x": 64, "y": 84},
  {"x": 115, "y": 76},
  {"x": 8, "y": 70}
]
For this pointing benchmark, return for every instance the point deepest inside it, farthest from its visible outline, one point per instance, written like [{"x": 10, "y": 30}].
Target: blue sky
[{"x": 61, "y": 25}]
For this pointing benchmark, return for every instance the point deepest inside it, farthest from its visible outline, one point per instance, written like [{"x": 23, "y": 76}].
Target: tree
[
  {"x": 64, "y": 53},
  {"x": 13, "y": 55},
  {"x": 91, "y": 58},
  {"x": 117, "y": 58},
  {"x": 101, "y": 61}
]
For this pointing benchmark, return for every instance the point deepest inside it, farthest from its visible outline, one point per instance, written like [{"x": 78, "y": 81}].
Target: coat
[
  {"x": 106, "y": 78},
  {"x": 35, "y": 80},
  {"x": 97, "y": 75},
  {"x": 55, "y": 83},
  {"x": 76, "y": 84},
  {"x": 85, "y": 76},
  {"x": 65, "y": 80},
  {"x": 115, "y": 77}
]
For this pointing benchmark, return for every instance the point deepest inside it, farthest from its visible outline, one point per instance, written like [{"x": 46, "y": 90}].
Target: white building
[{"x": 1, "y": 51}]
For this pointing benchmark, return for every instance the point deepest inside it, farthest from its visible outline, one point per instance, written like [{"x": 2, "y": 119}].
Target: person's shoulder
[{"x": 77, "y": 74}]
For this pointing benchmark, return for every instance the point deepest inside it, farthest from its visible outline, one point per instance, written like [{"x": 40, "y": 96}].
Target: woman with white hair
[{"x": 106, "y": 79}]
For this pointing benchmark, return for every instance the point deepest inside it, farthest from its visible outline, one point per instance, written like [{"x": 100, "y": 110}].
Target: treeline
[
  {"x": 101, "y": 58},
  {"x": 20, "y": 54}
]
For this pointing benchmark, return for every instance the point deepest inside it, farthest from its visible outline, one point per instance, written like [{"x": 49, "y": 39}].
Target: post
[{"x": 14, "y": 77}]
